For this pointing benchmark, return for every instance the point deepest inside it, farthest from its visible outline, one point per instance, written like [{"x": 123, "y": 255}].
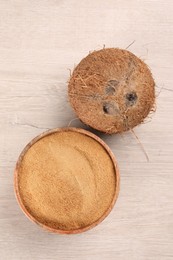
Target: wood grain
[{"x": 39, "y": 42}]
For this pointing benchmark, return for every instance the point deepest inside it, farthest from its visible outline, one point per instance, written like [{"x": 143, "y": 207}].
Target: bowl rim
[{"x": 16, "y": 177}]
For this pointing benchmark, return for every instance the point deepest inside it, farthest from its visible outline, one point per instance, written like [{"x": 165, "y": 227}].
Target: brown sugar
[
  {"x": 66, "y": 180},
  {"x": 112, "y": 90}
]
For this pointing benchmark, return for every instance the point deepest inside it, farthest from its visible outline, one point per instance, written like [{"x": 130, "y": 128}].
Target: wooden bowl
[{"x": 23, "y": 159}]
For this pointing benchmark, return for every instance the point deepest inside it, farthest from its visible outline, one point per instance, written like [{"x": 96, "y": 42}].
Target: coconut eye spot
[
  {"x": 109, "y": 108},
  {"x": 106, "y": 108},
  {"x": 131, "y": 98},
  {"x": 111, "y": 87}
]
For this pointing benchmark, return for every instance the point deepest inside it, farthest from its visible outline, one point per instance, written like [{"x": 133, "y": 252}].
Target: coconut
[{"x": 112, "y": 90}]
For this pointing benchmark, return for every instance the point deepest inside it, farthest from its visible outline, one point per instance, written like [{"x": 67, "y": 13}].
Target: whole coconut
[{"x": 112, "y": 90}]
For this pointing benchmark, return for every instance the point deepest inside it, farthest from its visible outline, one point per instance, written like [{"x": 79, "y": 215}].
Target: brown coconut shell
[
  {"x": 45, "y": 225},
  {"x": 112, "y": 90}
]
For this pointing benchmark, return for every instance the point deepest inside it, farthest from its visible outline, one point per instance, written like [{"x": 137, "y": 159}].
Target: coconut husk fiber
[{"x": 112, "y": 90}]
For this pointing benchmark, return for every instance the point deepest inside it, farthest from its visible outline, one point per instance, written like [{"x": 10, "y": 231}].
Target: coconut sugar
[{"x": 67, "y": 180}]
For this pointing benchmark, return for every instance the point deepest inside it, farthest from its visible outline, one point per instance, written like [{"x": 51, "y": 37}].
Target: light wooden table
[{"x": 39, "y": 42}]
